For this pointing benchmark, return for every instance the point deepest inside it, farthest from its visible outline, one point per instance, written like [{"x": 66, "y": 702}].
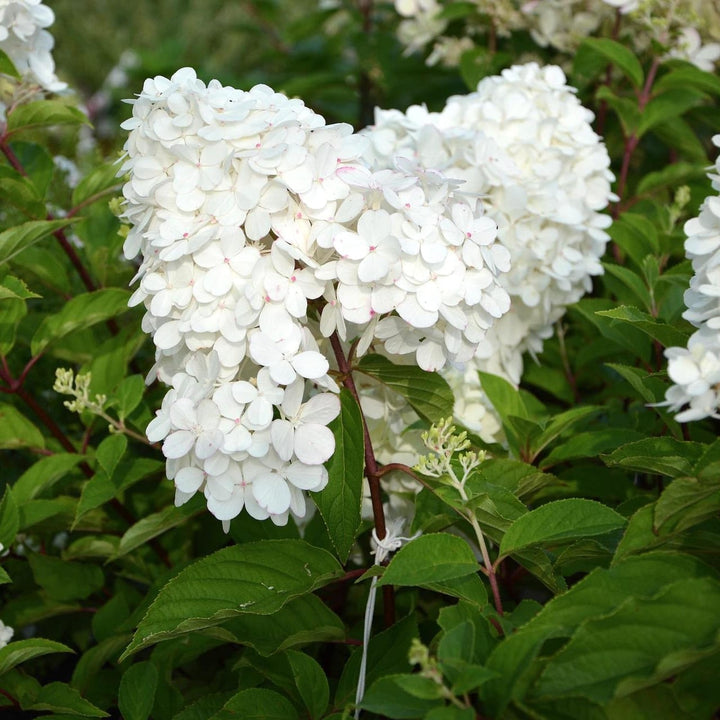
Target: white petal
[
  {"x": 314, "y": 444},
  {"x": 272, "y": 493},
  {"x": 282, "y": 434}
]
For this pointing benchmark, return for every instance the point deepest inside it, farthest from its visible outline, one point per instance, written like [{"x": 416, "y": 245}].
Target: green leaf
[
  {"x": 17, "y": 431},
  {"x": 670, "y": 176},
  {"x": 256, "y": 578},
  {"x": 661, "y": 455},
  {"x": 16, "y": 289},
  {"x": 428, "y": 393},
  {"x": 16, "y": 239},
  {"x": 100, "y": 181},
  {"x": 110, "y": 451},
  {"x": 430, "y": 558},
  {"x": 389, "y": 697},
  {"x": 627, "y": 109},
  {"x": 589, "y": 444},
  {"x": 689, "y": 76},
  {"x": 20, "y": 651},
  {"x": 157, "y": 523},
  {"x": 306, "y": 619},
  {"x": 129, "y": 395},
  {"x": 7, "y": 66},
  {"x": 58, "y": 697},
  {"x": 95, "y": 492},
  {"x": 467, "y": 587},
  {"x": 632, "y": 281},
  {"x": 686, "y": 502},
  {"x": 42, "y": 475},
  {"x": 450, "y": 713},
  {"x": 65, "y": 581},
  {"x": 339, "y": 503},
  {"x": 9, "y": 518},
  {"x": 635, "y": 378},
  {"x": 311, "y": 682},
  {"x": 680, "y": 135},
  {"x": 42, "y": 113},
  {"x": 618, "y": 55},
  {"x": 636, "y": 235},
  {"x": 18, "y": 191},
  {"x": 666, "y": 334},
  {"x": 257, "y": 704},
  {"x": 82, "y": 311},
  {"x": 667, "y": 105},
  {"x": 4, "y": 577},
  {"x": 560, "y": 521},
  {"x": 561, "y": 423},
  {"x": 641, "y": 643},
  {"x": 136, "y": 695}
]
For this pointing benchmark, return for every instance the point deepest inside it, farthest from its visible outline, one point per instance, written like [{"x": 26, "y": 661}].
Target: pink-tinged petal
[
  {"x": 263, "y": 350},
  {"x": 282, "y": 435},
  {"x": 208, "y": 443},
  {"x": 430, "y": 356},
  {"x": 314, "y": 444},
  {"x": 310, "y": 364},
  {"x": 282, "y": 372},
  {"x": 306, "y": 477},
  {"x": 227, "y": 509},
  {"x": 272, "y": 493},
  {"x": 189, "y": 479},
  {"x": 178, "y": 443},
  {"x": 321, "y": 409}
]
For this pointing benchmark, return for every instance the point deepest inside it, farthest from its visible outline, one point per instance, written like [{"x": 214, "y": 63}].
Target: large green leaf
[
  {"x": 662, "y": 455},
  {"x": 136, "y": 695},
  {"x": 57, "y": 697},
  {"x": 7, "y": 67},
  {"x": 666, "y": 334},
  {"x": 643, "y": 642},
  {"x": 311, "y": 682},
  {"x": 402, "y": 696},
  {"x": 17, "y": 431},
  {"x": 618, "y": 55},
  {"x": 81, "y": 312},
  {"x": 255, "y": 578},
  {"x": 65, "y": 580},
  {"x": 42, "y": 113},
  {"x": 101, "y": 181},
  {"x": 668, "y": 104},
  {"x": 430, "y": 558},
  {"x": 686, "y": 502},
  {"x": 16, "y": 239},
  {"x": 20, "y": 651},
  {"x": 257, "y": 704},
  {"x": 428, "y": 393},
  {"x": 560, "y": 521},
  {"x": 43, "y": 474},
  {"x": 339, "y": 503}
]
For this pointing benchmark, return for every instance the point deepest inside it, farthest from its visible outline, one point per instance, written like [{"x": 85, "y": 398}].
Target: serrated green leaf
[
  {"x": 136, "y": 695},
  {"x": 15, "y": 288},
  {"x": 110, "y": 451},
  {"x": 389, "y": 697},
  {"x": 256, "y": 578},
  {"x": 666, "y": 334},
  {"x": 158, "y": 523},
  {"x": 16, "y": 239},
  {"x": 9, "y": 518},
  {"x": 662, "y": 455},
  {"x": 99, "y": 182},
  {"x": 20, "y": 651},
  {"x": 686, "y": 502},
  {"x": 306, "y": 619},
  {"x": 644, "y": 641},
  {"x": 13, "y": 311},
  {"x": 618, "y": 55},
  {"x": 635, "y": 378},
  {"x": 18, "y": 191},
  {"x": 670, "y": 176},
  {"x": 129, "y": 395},
  {"x": 589, "y": 444},
  {"x": 95, "y": 492},
  {"x": 560, "y": 521},
  {"x": 65, "y": 581},
  {"x": 257, "y": 704},
  {"x": 666, "y": 105},
  {"x": 17, "y": 431},
  {"x": 468, "y": 587},
  {"x": 7, "y": 66},
  {"x": 42, "y": 113},
  {"x": 430, "y": 558},
  {"x": 561, "y": 423},
  {"x": 632, "y": 281},
  {"x": 311, "y": 682},
  {"x": 689, "y": 76},
  {"x": 339, "y": 503},
  {"x": 636, "y": 235},
  {"x": 428, "y": 393},
  {"x": 82, "y": 311},
  {"x": 57, "y": 697}
]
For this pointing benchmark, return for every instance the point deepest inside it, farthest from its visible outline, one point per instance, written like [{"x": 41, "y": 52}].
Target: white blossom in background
[
  {"x": 689, "y": 46},
  {"x": 248, "y": 211},
  {"x": 523, "y": 141},
  {"x": 695, "y": 370},
  {"x": 6, "y": 634},
  {"x": 27, "y": 43}
]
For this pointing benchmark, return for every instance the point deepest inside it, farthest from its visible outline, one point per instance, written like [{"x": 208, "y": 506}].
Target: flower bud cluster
[
  {"x": 524, "y": 141},
  {"x": 26, "y": 42},
  {"x": 695, "y": 370},
  {"x": 261, "y": 231}
]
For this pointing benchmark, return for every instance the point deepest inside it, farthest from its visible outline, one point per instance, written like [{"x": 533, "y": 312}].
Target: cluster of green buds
[
  {"x": 67, "y": 383},
  {"x": 447, "y": 445}
]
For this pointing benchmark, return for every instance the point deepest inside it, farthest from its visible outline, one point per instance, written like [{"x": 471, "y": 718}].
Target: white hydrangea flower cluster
[
  {"x": 26, "y": 42},
  {"x": 523, "y": 140},
  {"x": 695, "y": 370},
  {"x": 251, "y": 215}
]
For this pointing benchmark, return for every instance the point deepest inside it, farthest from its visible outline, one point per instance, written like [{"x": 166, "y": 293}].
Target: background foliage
[{"x": 602, "y": 510}]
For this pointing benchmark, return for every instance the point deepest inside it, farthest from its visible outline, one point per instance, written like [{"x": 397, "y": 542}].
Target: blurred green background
[{"x": 325, "y": 55}]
